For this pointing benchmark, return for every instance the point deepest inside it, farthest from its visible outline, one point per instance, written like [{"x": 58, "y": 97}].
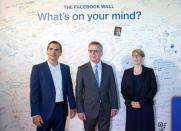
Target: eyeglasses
[{"x": 94, "y": 51}]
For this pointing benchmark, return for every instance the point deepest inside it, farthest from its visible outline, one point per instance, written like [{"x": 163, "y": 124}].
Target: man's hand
[
  {"x": 82, "y": 116},
  {"x": 37, "y": 120},
  {"x": 113, "y": 112},
  {"x": 72, "y": 113},
  {"x": 135, "y": 104}
]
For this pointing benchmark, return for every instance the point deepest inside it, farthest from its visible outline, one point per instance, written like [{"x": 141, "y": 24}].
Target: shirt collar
[
  {"x": 93, "y": 64},
  {"x": 54, "y": 66}
]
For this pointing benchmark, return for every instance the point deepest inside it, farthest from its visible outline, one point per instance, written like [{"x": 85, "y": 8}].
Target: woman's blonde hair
[{"x": 138, "y": 52}]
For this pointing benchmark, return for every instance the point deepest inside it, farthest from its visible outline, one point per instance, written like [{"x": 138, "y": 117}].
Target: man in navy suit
[{"x": 50, "y": 86}]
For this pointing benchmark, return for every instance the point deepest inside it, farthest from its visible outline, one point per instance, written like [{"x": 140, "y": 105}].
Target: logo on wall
[{"x": 161, "y": 126}]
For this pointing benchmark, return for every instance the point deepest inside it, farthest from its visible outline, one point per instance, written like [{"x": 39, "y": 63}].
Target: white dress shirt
[
  {"x": 57, "y": 80},
  {"x": 99, "y": 69}
]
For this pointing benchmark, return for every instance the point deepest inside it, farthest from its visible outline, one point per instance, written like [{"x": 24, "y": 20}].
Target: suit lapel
[
  {"x": 102, "y": 74},
  {"x": 142, "y": 81},
  {"x": 92, "y": 76},
  {"x": 132, "y": 79},
  {"x": 49, "y": 75},
  {"x": 62, "y": 69}
]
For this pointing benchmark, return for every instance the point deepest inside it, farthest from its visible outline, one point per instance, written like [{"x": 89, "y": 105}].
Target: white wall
[{"x": 24, "y": 39}]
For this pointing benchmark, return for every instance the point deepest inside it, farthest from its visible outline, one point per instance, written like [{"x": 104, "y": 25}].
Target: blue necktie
[{"x": 97, "y": 75}]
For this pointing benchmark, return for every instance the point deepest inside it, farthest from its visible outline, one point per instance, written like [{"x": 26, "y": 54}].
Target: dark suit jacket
[
  {"x": 148, "y": 89},
  {"x": 42, "y": 90},
  {"x": 89, "y": 96}
]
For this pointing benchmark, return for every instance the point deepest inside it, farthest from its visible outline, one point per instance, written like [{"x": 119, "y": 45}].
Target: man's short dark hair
[
  {"x": 97, "y": 44},
  {"x": 55, "y": 42}
]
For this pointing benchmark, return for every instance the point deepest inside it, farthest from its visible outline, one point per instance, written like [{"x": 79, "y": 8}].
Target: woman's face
[{"x": 137, "y": 59}]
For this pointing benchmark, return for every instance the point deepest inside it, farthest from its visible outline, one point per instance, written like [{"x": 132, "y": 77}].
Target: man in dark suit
[
  {"x": 50, "y": 86},
  {"x": 96, "y": 93}
]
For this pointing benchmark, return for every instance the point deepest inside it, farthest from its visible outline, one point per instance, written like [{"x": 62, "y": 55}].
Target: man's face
[
  {"x": 95, "y": 53},
  {"x": 53, "y": 52},
  {"x": 118, "y": 29}
]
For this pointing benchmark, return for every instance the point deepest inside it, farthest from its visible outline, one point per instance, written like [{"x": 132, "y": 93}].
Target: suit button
[{"x": 100, "y": 101}]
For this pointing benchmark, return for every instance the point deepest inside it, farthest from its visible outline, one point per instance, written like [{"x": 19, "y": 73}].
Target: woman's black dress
[{"x": 141, "y": 119}]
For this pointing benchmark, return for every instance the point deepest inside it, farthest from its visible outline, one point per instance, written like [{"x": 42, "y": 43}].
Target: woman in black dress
[{"x": 138, "y": 88}]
